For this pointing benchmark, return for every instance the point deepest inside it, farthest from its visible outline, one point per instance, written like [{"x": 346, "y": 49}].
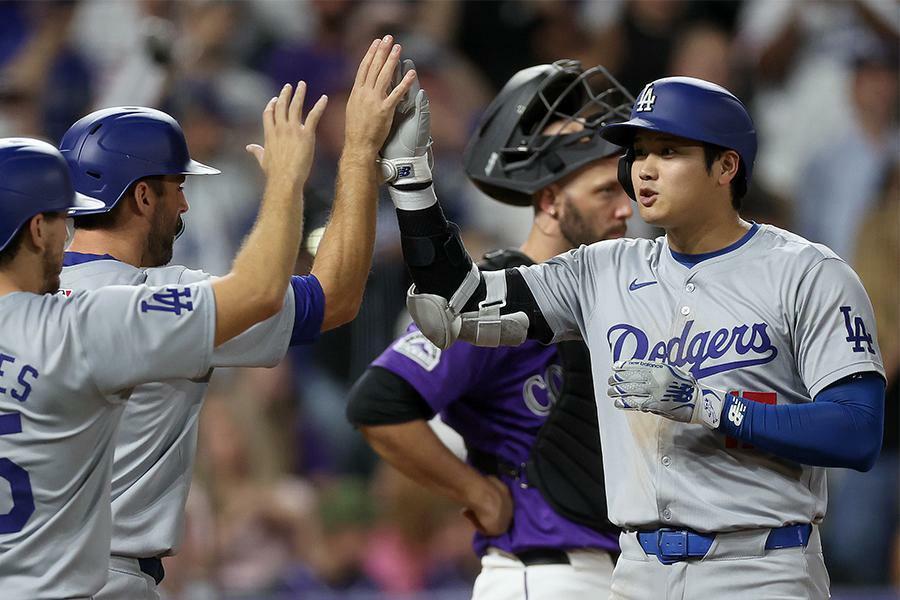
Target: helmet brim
[
  {"x": 198, "y": 168},
  {"x": 622, "y": 134},
  {"x": 85, "y": 205}
]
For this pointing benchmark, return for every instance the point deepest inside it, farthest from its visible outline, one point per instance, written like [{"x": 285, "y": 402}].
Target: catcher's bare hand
[
  {"x": 493, "y": 514},
  {"x": 370, "y": 108},
  {"x": 289, "y": 140}
]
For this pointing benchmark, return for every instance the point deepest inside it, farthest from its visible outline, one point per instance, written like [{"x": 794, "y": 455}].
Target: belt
[
  {"x": 674, "y": 545},
  {"x": 543, "y": 556},
  {"x": 152, "y": 567},
  {"x": 491, "y": 464}
]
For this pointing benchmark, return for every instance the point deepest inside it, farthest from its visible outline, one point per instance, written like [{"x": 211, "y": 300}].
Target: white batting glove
[
  {"x": 666, "y": 391},
  {"x": 406, "y": 157}
]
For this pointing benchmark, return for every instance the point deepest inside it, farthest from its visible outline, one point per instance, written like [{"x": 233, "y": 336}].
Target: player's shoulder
[
  {"x": 789, "y": 248},
  {"x": 624, "y": 251},
  {"x": 91, "y": 271},
  {"x": 44, "y": 312},
  {"x": 172, "y": 274}
]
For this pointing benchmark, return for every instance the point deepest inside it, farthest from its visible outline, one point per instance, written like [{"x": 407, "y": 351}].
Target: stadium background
[{"x": 287, "y": 501}]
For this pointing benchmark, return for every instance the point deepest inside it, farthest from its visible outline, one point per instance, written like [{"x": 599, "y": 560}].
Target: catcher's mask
[{"x": 510, "y": 157}]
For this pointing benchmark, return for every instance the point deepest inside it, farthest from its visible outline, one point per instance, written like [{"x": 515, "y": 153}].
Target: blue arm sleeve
[
  {"x": 309, "y": 309},
  {"x": 843, "y": 427}
]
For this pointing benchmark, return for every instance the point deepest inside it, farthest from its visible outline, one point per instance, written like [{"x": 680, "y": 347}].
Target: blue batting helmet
[
  {"x": 690, "y": 108},
  {"x": 110, "y": 149},
  {"x": 34, "y": 179}
]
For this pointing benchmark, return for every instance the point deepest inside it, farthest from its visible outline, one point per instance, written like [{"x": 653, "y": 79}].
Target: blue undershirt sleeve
[
  {"x": 309, "y": 309},
  {"x": 843, "y": 427}
]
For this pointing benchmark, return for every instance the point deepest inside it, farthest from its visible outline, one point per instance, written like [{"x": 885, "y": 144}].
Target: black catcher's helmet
[{"x": 509, "y": 158}]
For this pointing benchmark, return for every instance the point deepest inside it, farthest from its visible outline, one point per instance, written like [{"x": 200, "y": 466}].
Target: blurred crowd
[{"x": 287, "y": 500}]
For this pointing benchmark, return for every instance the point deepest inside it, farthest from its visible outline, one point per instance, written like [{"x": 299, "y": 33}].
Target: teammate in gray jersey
[
  {"x": 135, "y": 160},
  {"x": 741, "y": 359},
  {"x": 69, "y": 362}
]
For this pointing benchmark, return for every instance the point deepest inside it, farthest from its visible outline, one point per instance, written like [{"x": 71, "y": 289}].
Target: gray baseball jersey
[
  {"x": 67, "y": 363},
  {"x": 773, "y": 316},
  {"x": 157, "y": 439}
]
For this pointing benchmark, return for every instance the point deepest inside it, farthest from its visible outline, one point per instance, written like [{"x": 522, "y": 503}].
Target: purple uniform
[{"x": 497, "y": 399}]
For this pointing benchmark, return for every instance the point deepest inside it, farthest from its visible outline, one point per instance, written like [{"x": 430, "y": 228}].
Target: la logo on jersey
[
  {"x": 169, "y": 301},
  {"x": 646, "y": 100},
  {"x": 856, "y": 331}
]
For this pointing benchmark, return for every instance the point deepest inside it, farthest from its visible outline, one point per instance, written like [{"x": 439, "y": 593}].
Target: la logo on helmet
[{"x": 646, "y": 100}]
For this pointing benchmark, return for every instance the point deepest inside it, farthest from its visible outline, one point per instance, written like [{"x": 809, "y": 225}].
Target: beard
[
  {"x": 51, "y": 266},
  {"x": 161, "y": 240},
  {"x": 578, "y": 230}
]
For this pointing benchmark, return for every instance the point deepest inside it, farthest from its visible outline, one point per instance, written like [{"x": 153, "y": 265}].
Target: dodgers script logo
[{"x": 701, "y": 350}]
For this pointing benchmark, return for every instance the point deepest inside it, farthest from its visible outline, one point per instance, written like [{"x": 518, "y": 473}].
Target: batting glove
[
  {"x": 666, "y": 391},
  {"x": 406, "y": 157}
]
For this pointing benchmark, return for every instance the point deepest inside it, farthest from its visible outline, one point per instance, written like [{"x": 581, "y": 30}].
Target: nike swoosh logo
[{"x": 634, "y": 285}]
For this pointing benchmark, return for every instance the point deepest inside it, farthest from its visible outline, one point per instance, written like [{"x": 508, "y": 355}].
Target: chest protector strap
[{"x": 566, "y": 463}]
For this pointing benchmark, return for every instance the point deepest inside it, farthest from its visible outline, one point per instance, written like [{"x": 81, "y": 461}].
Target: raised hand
[
  {"x": 289, "y": 140},
  {"x": 664, "y": 390},
  {"x": 375, "y": 96},
  {"x": 406, "y": 157}
]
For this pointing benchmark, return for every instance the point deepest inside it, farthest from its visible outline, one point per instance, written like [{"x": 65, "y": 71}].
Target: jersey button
[
  {"x": 667, "y": 514},
  {"x": 690, "y": 287},
  {"x": 666, "y": 461},
  {"x": 685, "y": 310}
]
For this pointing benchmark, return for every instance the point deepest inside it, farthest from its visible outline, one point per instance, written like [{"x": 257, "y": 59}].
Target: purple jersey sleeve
[
  {"x": 309, "y": 309},
  {"x": 441, "y": 377}
]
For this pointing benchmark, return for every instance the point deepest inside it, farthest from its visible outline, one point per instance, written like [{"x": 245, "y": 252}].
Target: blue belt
[{"x": 674, "y": 545}]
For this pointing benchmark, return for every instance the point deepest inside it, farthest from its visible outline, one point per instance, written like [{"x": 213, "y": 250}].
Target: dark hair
[
  {"x": 9, "y": 253},
  {"x": 108, "y": 219},
  {"x": 711, "y": 152}
]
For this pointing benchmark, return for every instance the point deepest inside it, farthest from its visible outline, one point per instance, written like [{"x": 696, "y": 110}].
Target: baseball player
[
  {"x": 535, "y": 541},
  {"x": 135, "y": 160},
  {"x": 741, "y": 358},
  {"x": 70, "y": 362}
]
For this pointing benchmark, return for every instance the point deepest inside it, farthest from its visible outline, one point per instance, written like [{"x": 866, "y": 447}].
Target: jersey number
[{"x": 19, "y": 481}]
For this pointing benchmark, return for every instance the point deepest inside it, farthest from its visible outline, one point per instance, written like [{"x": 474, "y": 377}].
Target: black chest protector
[{"x": 566, "y": 463}]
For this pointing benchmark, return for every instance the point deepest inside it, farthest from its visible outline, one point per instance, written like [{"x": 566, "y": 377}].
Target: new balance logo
[
  {"x": 736, "y": 413},
  {"x": 679, "y": 392},
  {"x": 169, "y": 301},
  {"x": 856, "y": 332},
  {"x": 646, "y": 100},
  {"x": 404, "y": 171}
]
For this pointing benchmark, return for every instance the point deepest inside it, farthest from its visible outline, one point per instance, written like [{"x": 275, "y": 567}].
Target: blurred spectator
[
  {"x": 862, "y": 527},
  {"x": 401, "y": 555},
  {"x": 841, "y": 180},
  {"x": 703, "y": 51},
  {"x": 264, "y": 517},
  {"x": 636, "y": 47},
  {"x": 189, "y": 576},
  {"x": 345, "y": 516},
  {"x": 44, "y": 82},
  {"x": 223, "y": 208},
  {"x": 801, "y": 53}
]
